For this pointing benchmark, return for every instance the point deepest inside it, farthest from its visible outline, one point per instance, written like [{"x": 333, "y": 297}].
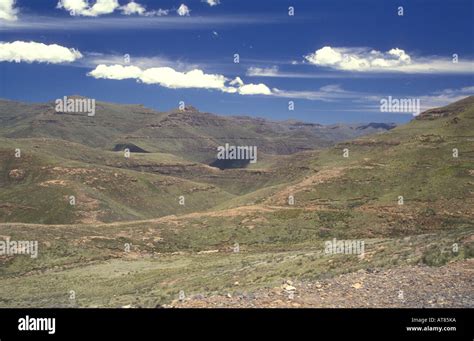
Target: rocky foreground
[{"x": 406, "y": 287}]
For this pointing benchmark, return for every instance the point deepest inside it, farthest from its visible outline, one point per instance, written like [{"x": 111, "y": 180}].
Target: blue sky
[{"x": 334, "y": 59}]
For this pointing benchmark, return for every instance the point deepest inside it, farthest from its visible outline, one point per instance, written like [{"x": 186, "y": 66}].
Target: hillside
[
  {"x": 281, "y": 257},
  {"x": 188, "y": 133},
  {"x": 72, "y": 154}
]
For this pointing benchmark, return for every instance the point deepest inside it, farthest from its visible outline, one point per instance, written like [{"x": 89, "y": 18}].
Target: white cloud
[
  {"x": 249, "y": 89},
  {"x": 164, "y": 76},
  {"x": 254, "y": 89},
  {"x": 358, "y": 59},
  {"x": 29, "y": 52},
  {"x": 133, "y": 8},
  {"x": 183, "y": 10},
  {"x": 8, "y": 10},
  {"x": 82, "y": 7},
  {"x": 100, "y": 7},
  {"x": 104, "y": 7},
  {"x": 394, "y": 60},
  {"x": 170, "y": 78},
  {"x": 212, "y": 2},
  {"x": 325, "y": 56},
  {"x": 117, "y": 72}
]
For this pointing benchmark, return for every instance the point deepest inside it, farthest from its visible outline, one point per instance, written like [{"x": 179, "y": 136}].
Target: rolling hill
[
  {"x": 407, "y": 193},
  {"x": 188, "y": 133},
  {"x": 72, "y": 154}
]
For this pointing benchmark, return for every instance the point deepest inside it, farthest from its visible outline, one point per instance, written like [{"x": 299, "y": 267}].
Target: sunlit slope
[
  {"x": 37, "y": 186},
  {"x": 408, "y": 178}
]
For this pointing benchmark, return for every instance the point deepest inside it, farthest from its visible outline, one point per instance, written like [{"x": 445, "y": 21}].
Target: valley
[{"x": 128, "y": 242}]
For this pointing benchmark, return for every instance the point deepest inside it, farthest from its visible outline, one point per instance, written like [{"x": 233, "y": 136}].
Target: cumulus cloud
[
  {"x": 394, "y": 60},
  {"x": 100, "y": 7},
  {"x": 117, "y": 72},
  {"x": 82, "y": 7},
  {"x": 173, "y": 79},
  {"x": 170, "y": 78},
  {"x": 254, "y": 89},
  {"x": 8, "y": 10},
  {"x": 29, "y": 52},
  {"x": 133, "y": 8},
  {"x": 212, "y": 2},
  {"x": 358, "y": 59},
  {"x": 164, "y": 76},
  {"x": 249, "y": 89},
  {"x": 183, "y": 10}
]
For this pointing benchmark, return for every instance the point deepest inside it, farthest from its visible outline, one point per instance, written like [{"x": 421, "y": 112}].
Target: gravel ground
[{"x": 407, "y": 286}]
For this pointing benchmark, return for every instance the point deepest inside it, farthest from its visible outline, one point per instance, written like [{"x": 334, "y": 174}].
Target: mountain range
[{"x": 175, "y": 148}]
